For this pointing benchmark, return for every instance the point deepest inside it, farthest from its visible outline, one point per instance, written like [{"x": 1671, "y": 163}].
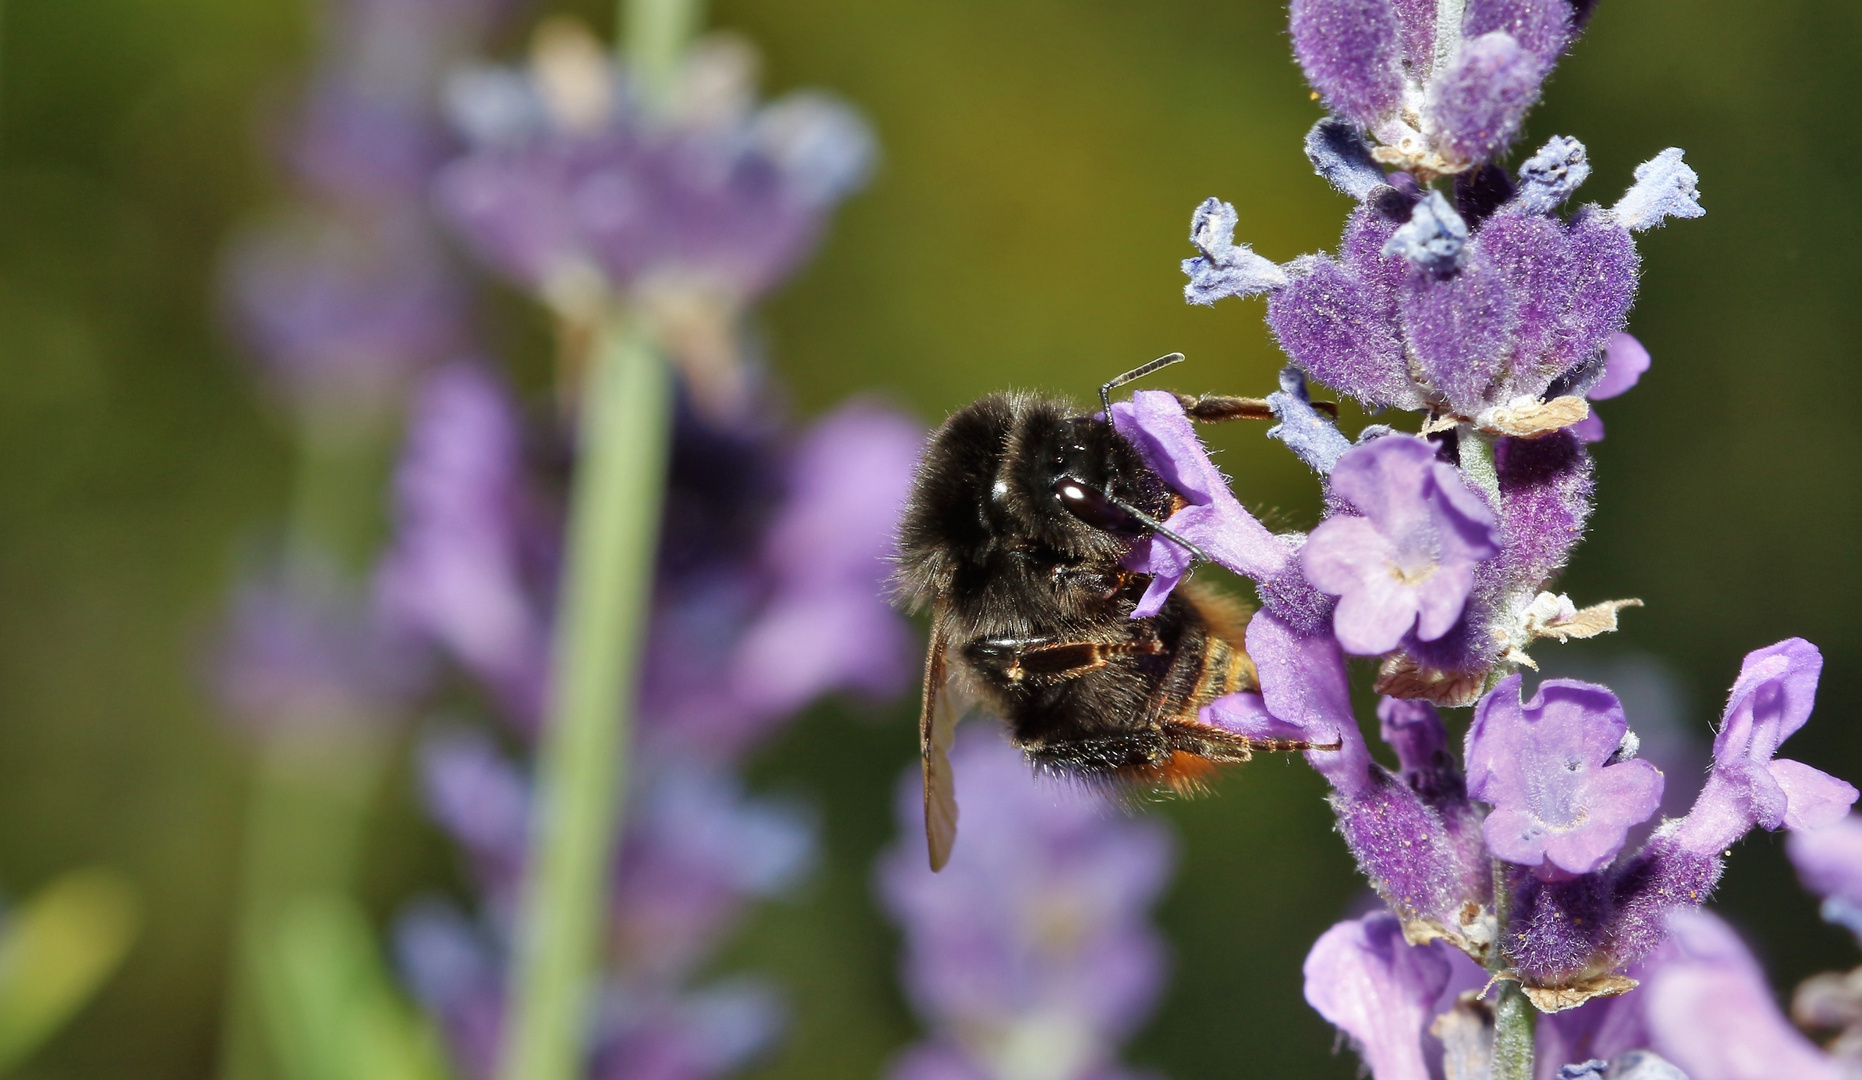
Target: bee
[{"x": 1019, "y": 517}]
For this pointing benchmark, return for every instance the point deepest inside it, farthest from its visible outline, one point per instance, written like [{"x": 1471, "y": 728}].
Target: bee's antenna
[
  {"x": 1105, "y": 392},
  {"x": 1152, "y": 523}
]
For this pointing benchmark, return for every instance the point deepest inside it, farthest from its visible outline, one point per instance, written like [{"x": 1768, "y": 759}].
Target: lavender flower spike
[
  {"x": 1434, "y": 238},
  {"x": 1665, "y": 187},
  {"x": 1408, "y": 562},
  {"x": 1224, "y": 268},
  {"x": 1561, "y": 802},
  {"x": 1366, "y": 980}
]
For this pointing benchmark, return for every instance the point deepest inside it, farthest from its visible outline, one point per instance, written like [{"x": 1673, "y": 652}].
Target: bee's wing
[{"x": 937, "y": 725}]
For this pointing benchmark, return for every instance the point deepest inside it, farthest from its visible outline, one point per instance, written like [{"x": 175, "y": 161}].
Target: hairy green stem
[
  {"x": 1514, "y": 1017},
  {"x": 608, "y": 580}
]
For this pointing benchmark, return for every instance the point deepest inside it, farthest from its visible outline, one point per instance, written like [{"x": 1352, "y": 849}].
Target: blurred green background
[{"x": 1041, "y": 162}]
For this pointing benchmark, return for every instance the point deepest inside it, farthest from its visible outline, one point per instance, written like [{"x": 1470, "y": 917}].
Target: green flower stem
[
  {"x": 613, "y": 533},
  {"x": 1514, "y": 1017},
  {"x": 653, "y": 40},
  {"x": 312, "y": 790}
]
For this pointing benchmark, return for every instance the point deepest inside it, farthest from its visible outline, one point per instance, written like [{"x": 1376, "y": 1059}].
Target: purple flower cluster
[
  {"x": 1464, "y": 292},
  {"x": 1029, "y": 955},
  {"x": 771, "y": 593}
]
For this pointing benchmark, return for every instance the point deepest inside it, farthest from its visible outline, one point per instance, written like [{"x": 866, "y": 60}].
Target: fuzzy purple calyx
[
  {"x": 1665, "y": 187},
  {"x": 1475, "y": 106},
  {"x": 1407, "y": 563},
  {"x": 1434, "y": 237},
  {"x": 1224, "y": 268},
  {"x": 1350, "y": 51},
  {"x": 1154, "y": 423},
  {"x": 1547, "y": 767}
]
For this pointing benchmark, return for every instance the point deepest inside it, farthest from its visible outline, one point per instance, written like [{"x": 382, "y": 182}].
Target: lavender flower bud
[
  {"x": 1476, "y": 105},
  {"x": 1313, "y": 437},
  {"x": 1224, "y": 268},
  {"x": 1665, "y": 187},
  {"x": 1339, "y": 153},
  {"x": 1349, "y": 50},
  {"x": 1548, "y": 177},
  {"x": 1433, "y": 238}
]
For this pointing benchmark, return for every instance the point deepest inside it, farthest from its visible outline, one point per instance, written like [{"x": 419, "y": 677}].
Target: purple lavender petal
[
  {"x": 1458, "y": 329},
  {"x": 1549, "y": 176},
  {"x": 1363, "y": 978},
  {"x": 1303, "y": 684},
  {"x": 1711, "y": 1012},
  {"x": 1339, "y": 153},
  {"x": 457, "y": 572},
  {"x": 1544, "y": 766},
  {"x": 1625, "y": 360},
  {"x": 1665, "y": 187},
  {"x": 1475, "y": 106},
  {"x": 830, "y": 623},
  {"x": 1409, "y": 561},
  {"x": 1415, "y": 731},
  {"x": 1349, "y": 51},
  {"x": 1813, "y": 798},
  {"x": 1313, "y": 437},
  {"x": 1541, "y": 27},
  {"x": 1154, "y": 422},
  {"x": 1829, "y": 863},
  {"x": 1224, "y": 268},
  {"x": 1246, "y": 714}
]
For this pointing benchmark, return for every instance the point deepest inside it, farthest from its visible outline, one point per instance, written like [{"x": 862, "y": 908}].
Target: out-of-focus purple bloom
[
  {"x": 1665, "y": 187},
  {"x": 302, "y": 657},
  {"x": 341, "y": 319},
  {"x": 694, "y": 1036},
  {"x": 1408, "y": 562},
  {"x": 458, "y": 977},
  {"x": 1710, "y": 1011},
  {"x": 829, "y": 623},
  {"x": 1224, "y": 268},
  {"x": 1366, "y": 980},
  {"x": 697, "y": 851},
  {"x": 479, "y": 797},
  {"x": 731, "y": 200},
  {"x": 1561, "y": 800},
  {"x": 1031, "y": 948},
  {"x": 462, "y": 570},
  {"x": 1153, "y": 421},
  {"x": 1829, "y": 863}
]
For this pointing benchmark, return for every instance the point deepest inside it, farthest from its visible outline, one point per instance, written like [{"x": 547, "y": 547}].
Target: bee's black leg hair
[
  {"x": 1018, "y": 658},
  {"x": 1105, "y": 392}
]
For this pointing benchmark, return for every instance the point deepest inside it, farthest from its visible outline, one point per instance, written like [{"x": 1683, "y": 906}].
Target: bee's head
[{"x": 1024, "y": 474}]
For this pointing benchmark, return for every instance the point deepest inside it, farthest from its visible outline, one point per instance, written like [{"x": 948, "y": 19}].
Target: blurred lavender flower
[
  {"x": 303, "y": 655},
  {"x": 1029, "y": 956}
]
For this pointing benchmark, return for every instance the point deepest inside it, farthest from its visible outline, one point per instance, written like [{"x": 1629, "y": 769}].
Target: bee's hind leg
[{"x": 1217, "y": 408}]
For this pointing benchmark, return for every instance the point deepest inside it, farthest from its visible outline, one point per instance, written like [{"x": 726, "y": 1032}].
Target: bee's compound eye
[{"x": 1091, "y": 506}]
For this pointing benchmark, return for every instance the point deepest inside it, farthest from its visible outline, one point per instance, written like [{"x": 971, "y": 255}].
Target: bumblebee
[{"x": 1019, "y": 517}]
